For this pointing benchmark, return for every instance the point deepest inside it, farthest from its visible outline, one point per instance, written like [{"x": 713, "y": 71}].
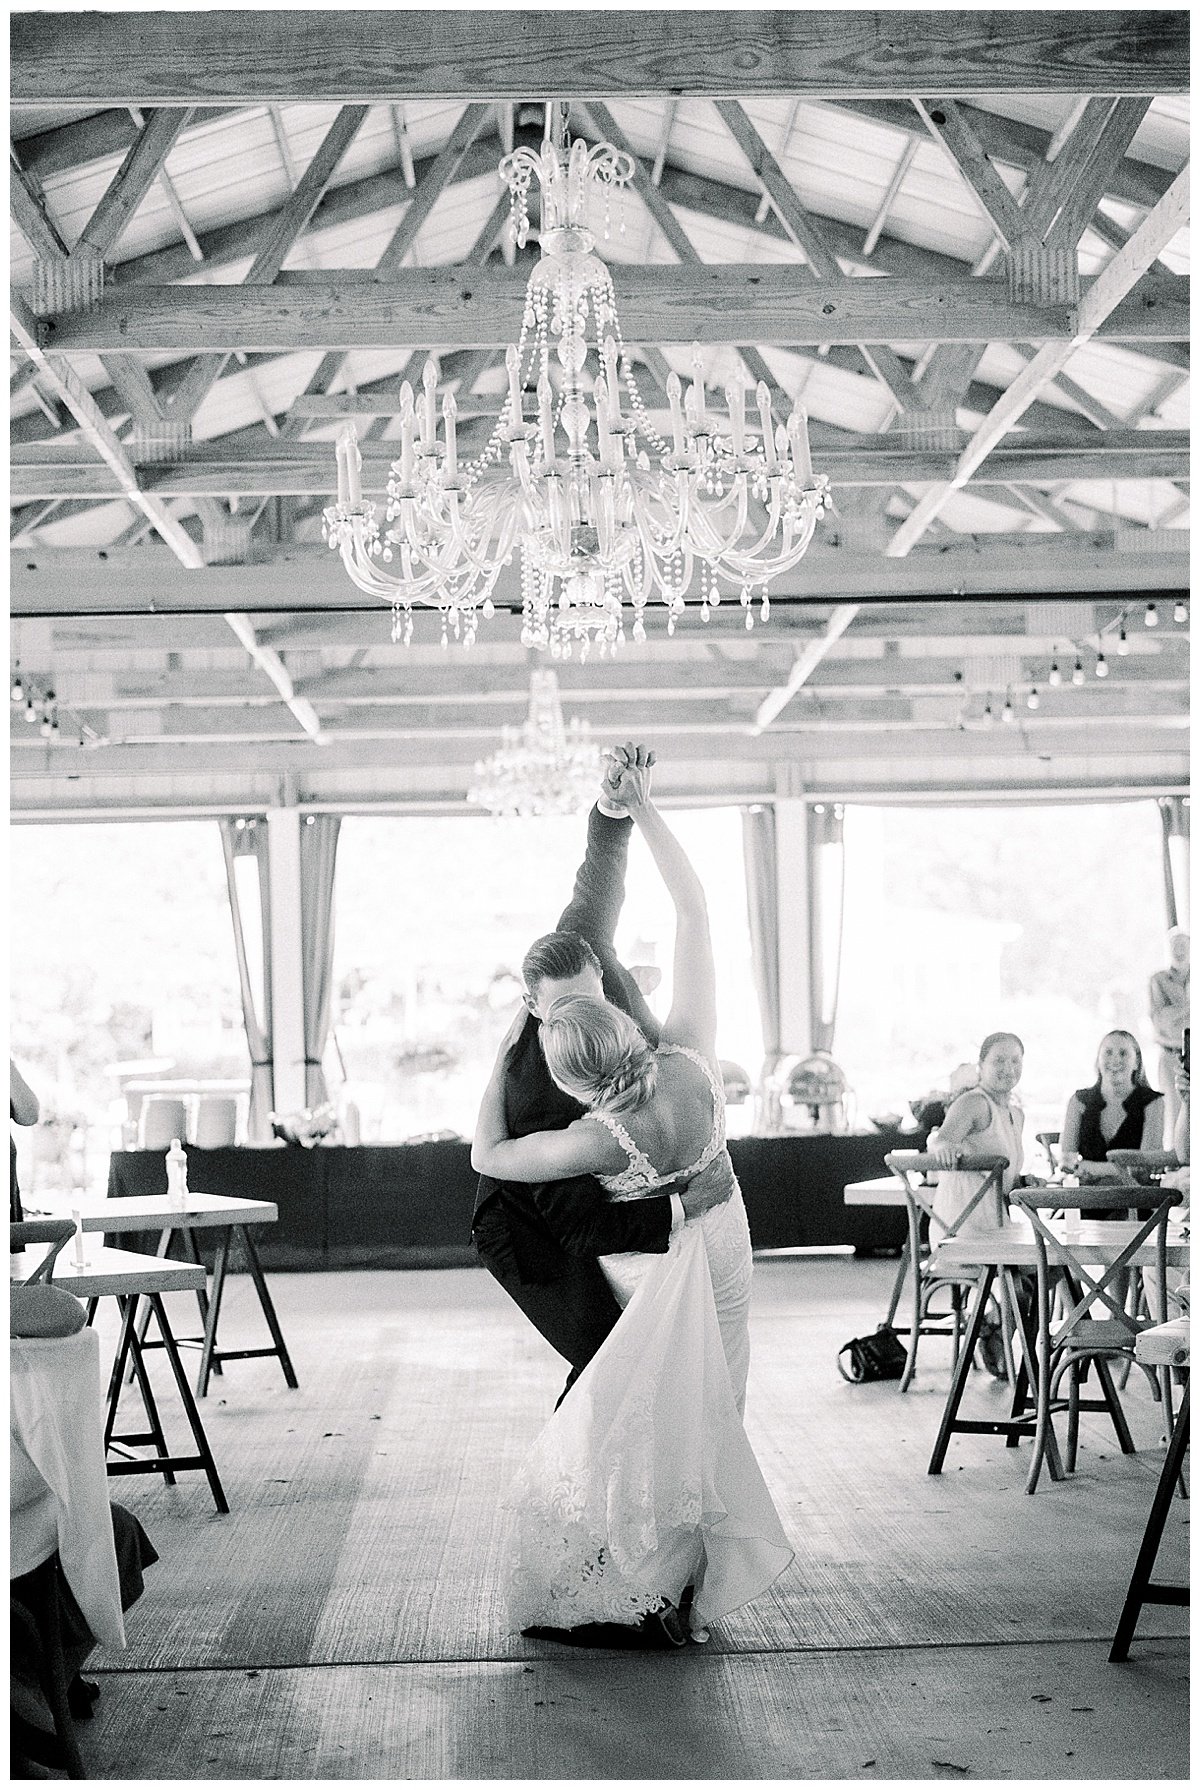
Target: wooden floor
[{"x": 345, "y": 1621}]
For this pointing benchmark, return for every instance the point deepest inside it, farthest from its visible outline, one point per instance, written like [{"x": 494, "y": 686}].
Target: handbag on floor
[{"x": 880, "y": 1356}]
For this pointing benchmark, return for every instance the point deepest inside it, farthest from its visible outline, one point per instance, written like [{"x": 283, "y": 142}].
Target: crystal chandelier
[
  {"x": 545, "y": 766},
  {"x": 603, "y": 510}
]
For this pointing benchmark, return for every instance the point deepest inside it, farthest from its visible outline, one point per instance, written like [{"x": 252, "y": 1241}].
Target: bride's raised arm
[{"x": 693, "y": 1016}]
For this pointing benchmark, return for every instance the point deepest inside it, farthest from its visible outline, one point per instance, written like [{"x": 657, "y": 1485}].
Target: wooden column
[
  {"x": 286, "y": 967},
  {"x": 795, "y": 972}
]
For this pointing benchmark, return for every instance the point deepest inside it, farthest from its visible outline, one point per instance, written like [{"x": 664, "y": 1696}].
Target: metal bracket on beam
[
  {"x": 227, "y": 543},
  {"x": 934, "y": 430},
  {"x": 164, "y": 441},
  {"x": 1041, "y": 275},
  {"x": 67, "y": 283}
]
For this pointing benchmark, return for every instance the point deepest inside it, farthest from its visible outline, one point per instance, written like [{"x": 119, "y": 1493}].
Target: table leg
[
  {"x": 1141, "y": 1587},
  {"x": 268, "y": 1306},
  {"x": 163, "y": 1250},
  {"x": 220, "y": 1266},
  {"x": 127, "y": 1308},
  {"x": 1036, "y": 1348},
  {"x": 188, "y": 1240},
  {"x": 1104, "y": 1374},
  {"x": 189, "y": 1404},
  {"x": 155, "y": 1433},
  {"x": 962, "y": 1370}
]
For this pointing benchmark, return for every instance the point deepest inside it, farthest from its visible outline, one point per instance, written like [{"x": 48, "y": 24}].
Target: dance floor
[{"x": 345, "y": 1620}]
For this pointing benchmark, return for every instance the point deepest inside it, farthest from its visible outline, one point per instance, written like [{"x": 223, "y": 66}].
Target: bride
[{"x": 644, "y": 1483}]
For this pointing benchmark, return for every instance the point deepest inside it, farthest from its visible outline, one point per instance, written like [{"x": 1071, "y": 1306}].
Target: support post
[
  {"x": 795, "y": 970},
  {"x": 286, "y": 969}
]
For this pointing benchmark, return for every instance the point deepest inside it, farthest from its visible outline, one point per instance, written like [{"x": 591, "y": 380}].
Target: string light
[
  {"x": 988, "y": 716},
  {"x": 1077, "y": 673},
  {"x": 1033, "y": 700},
  {"x": 1006, "y": 713},
  {"x": 1101, "y": 665},
  {"x": 17, "y": 693},
  {"x": 1181, "y": 611},
  {"x": 1055, "y": 677},
  {"x": 1151, "y": 615},
  {"x": 1122, "y": 641}
]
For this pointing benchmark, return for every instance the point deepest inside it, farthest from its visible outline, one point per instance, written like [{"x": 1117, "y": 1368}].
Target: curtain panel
[
  {"x": 827, "y": 881},
  {"x": 1175, "y": 812},
  {"x": 318, "y": 868},
  {"x": 248, "y": 839}
]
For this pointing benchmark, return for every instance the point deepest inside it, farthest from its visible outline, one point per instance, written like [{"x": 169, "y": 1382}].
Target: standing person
[
  {"x": 540, "y": 1240},
  {"x": 1170, "y": 1000},
  {"x": 643, "y": 1483},
  {"x": 1119, "y": 1111}
]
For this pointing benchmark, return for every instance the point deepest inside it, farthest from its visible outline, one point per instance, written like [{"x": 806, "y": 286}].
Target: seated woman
[
  {"x": 983, "y": 1121},
  {"x": 1119, "y": 1111}
]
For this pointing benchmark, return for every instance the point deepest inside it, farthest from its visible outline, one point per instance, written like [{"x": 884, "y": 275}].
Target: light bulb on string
[
  {"x": 1181, "y": 611},
  {"x": 1033, "y": 700},
  {"x": 1122, "y": 641},
  {"x": 988, "y": 716},
  {"x": 1055, "y": 677},
  {"x": 31, "y": 709},
  {"x": 1151, "y": 615},
  {"x": 47, "y": 727},
  {"x": 17, "y": 692},
  {"x": 1007, "y": 714},
  {"x": 1077, "y": 672},
  {"x": 1101, "y": 665}
]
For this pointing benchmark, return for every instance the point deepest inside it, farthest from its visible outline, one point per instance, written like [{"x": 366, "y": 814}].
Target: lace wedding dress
[{"x": 644, "y": 1481}]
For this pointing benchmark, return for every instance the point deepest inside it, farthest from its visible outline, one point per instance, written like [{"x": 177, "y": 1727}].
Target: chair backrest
[
  {"x": 912, "y": 1165},
  {"x": 1142, "y": 1164},
  {"x": 163, "y": 1118},
  {"x": 216, "y": 1122},
  {"x": 56, "y": 1231},
  {"x": 1100, "y": 1296}
]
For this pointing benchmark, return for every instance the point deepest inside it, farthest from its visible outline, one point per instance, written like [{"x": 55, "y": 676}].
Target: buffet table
[{"x": 410, "y": 1205}]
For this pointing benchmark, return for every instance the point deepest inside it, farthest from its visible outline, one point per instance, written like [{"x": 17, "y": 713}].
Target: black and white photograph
[{"x": 599, "y": 937}]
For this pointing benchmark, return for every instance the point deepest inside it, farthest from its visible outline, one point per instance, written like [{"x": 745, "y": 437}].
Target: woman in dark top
[{"x": 1120, "y": 1111}]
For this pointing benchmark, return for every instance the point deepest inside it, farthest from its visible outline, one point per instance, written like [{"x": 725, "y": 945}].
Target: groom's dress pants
[{"x": 574, "y": 1312}]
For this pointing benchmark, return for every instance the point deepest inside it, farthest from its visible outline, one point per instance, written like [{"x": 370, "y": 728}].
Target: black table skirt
[{"x": 409, "y": 1205}]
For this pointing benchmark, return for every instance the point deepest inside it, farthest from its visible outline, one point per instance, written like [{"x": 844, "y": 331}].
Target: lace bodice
[{"x": 641, "y": 1177}]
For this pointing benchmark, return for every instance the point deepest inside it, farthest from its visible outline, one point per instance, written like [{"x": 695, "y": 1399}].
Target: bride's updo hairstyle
[{"x": 597, "y": 1054}]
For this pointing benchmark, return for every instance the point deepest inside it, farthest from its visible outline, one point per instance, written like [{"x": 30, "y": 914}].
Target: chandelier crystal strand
[
  {"x": 546, "y": 766},
  {"x": 599, "y": 523}
]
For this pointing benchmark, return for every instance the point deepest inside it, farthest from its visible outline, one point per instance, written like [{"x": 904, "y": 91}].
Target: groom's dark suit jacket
[{"x": 546, "y": 1225}]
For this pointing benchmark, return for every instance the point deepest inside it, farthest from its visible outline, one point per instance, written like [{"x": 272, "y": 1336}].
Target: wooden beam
[
  {"x": 779, "y": 189},
  {"x": 306, "y": 468},
  {"x": 875, "y": 230},
  {"x": 133, "y": 179},
  {"x": 28, "y": 206},
  {"x": 294, "y": 579},
  {"x": 1091, "y": 407},
  {"x": 132, "y": 385},
  {"x": 449, "y": 307},
  {"x": 1103, "y": 295},
  {"x": 1051, "y": 184},
  {"x": 66, "y": 147},
  {"x": 807, "y": 659},
  {"x": 1095, "y": 177},
  {"x": 68, "y": 386},
  {"x": 950, "y": 125},
  {"x": 342, "y": 54},
  {"x": 282, "y": 233},
  {"x": 1038, "y": 505},
  {"x": 269, "y": 662},
  {"x": 431, "y": 186}
]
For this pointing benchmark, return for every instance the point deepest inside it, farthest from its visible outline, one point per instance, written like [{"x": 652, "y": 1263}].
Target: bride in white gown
[{"x": 644, "y": 1482}]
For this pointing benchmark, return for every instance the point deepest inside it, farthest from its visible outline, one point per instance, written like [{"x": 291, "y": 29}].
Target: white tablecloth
[{"x": 59, "y": 1487}]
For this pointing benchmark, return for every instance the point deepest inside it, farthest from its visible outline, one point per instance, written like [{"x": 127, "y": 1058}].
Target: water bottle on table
[{"x": 177, "y": 1187}]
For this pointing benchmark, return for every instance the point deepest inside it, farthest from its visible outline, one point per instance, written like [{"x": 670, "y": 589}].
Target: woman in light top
[
  {"x": 1119, "y": 1111},
  {"x": 983, "y": 1121}
]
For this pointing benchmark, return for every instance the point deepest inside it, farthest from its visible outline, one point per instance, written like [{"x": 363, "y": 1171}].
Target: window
[
  {"x": 122, "y": 954},
  {"x": 1046, "y": 921}
]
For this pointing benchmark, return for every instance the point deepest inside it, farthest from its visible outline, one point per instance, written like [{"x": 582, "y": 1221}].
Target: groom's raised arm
[{"x": 595, "y": 907}]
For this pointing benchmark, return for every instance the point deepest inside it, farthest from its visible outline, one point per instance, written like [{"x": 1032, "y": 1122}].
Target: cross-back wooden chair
[
  {"x": 56, "y": 1231},
  {"x": 1074, "y": 1337},
  {"x": 927, "y": 1229}
]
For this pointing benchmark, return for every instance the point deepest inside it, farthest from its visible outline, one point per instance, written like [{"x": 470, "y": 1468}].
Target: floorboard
[{"x": 358, "y": 1576}]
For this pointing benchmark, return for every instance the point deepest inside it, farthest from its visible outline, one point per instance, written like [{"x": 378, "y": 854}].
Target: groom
[{"x": 541, "y": 1242}]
